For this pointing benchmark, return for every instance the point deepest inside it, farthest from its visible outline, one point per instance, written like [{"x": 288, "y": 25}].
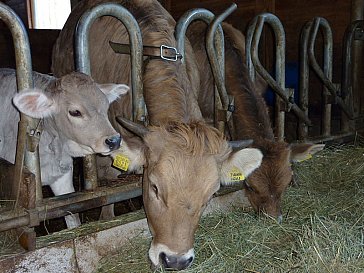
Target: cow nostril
[
  {"x": 113, "y": 142},
  {"x": 164, "y": 259}
]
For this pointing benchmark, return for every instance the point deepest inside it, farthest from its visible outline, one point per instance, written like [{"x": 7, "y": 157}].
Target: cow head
[
  {"x": 183, "y": 166},
  {"x": 265, "y": 186},
  {"x": 76, "y": 109}
]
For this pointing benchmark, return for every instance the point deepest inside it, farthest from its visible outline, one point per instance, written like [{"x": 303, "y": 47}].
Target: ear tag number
[
  {"x": 236, "y": 175},
  {"x": 121, "y": 162}
]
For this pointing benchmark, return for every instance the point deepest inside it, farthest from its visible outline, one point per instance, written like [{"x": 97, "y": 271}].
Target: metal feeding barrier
[
  {"x": 285, "y": 96},
  {"x": 36, "y": 208},
  {"x": 331, "y": 93},
  {"x": 55, "y": 207},
  {"x": 224, "y": 104},
  {"x": 284, "y": 100}
]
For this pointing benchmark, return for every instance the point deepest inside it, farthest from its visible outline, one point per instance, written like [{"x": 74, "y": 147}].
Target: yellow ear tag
[
  {"x": 121, "y": 162},
  {"x": 309, "y": 156},
  {"x": 236, "y": 175}
]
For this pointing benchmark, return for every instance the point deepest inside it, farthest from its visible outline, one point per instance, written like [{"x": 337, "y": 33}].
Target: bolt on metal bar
[
  {"x": 278, "y": 84},
  {"x": 27, "y": 154},
  {"x": 83, "y": 64},
  {"x": 347, "y": 77},
  {"x": 326, "y": 74}
]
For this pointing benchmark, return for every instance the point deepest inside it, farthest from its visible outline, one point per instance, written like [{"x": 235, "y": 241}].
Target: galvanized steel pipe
[
  {"x": 181, "y": 28},
  {"x": 278, "y": 84},
  {"x": 27, "y": 146},
  {"x": 326, "y": 74}
]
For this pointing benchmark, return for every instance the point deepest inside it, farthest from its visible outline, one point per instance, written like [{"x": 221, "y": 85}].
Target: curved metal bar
[
  {"x": 135, "y": 38},
  {"x": 346, "y": 80},
  {"x": 216, "y": 64},
  {"x": 180, "y": 33},
  {"x": 347, "y": 77},
  {"x": 278, "y": 84},
  {"x": 248, "y": 46},
  {"x": 83, "y": 65},
  {"x": 326, "y": 74},
  {"x": 28, "y": 136}
]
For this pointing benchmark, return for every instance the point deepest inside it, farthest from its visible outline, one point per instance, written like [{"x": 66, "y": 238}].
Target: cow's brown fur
[{"x": 267, "y": 184}]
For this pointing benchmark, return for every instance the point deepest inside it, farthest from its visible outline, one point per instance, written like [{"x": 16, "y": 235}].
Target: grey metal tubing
[
  {"x": 181, "y": 28},
  {"x": 135, "y": 39},
  {"x": 326, "y": 74},
  {"x": 217, "y": 61},
  {"x": 346, "y": 82},
  {"x": 83, "y": 64},
  {"x": 278, "y": 84},
  {"x": 304, "y": 80},
  {"x": 347, "y": 77},
  {"x": 248, "y": 46},
  {"x": 27, "y": 146}
]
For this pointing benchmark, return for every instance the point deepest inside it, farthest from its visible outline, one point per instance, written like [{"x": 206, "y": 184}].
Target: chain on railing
[{"x": 284, "y": 100}]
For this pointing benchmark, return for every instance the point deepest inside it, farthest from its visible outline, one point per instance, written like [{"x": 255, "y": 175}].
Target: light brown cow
[
  {"x": 74, "y": 117},
  {"x": 184, "y": 159},
  {"x": 266, "y": 185}
]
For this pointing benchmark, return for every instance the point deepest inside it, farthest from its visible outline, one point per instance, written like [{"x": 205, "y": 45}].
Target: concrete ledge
[{"x": 82, "y": 254}]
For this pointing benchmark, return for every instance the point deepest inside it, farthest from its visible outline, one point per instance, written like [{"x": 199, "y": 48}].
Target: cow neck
[{"x": 251, "y": 115}]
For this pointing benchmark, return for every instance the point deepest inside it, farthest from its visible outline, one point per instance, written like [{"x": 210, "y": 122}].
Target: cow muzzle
[
  {"x": 175, "y": 262},
  {"x": 113, "y": 142}
]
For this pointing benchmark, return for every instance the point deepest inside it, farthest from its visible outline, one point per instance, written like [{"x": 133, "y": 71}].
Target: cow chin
[{"x": 161, "y": 255}]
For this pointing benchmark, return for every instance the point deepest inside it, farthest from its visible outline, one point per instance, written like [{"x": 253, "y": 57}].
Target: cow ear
[
  {"x": 304, "y": 151},
  {"x": 131, "y": 153},
  {"x": 113, "y": 91},
  {"x": 240, "y": 164},
  {"x": 34, "y": 103}
]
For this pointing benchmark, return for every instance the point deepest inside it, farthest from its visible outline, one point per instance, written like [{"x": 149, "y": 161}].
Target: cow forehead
[{"x": 88, "y": 95}]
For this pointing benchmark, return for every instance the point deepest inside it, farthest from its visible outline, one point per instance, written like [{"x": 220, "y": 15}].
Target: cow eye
[
  {"x": 75, "y": 113},
  {"x": 155, "y": 190}
]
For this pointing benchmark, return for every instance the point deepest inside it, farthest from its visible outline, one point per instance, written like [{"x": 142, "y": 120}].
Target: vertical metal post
[
  {"x": 327, "y": 69},
  {"x": 83, "y": 65},
  {"x": 27, "y": 147},
  {"x": 304, "y": 80},
  {"x": 347, "y": 70}
]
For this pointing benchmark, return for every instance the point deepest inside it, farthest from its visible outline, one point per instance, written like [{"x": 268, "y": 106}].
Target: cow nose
[
  {"x": 113, "y": 142},
  {"x": 175, "y": 262}
]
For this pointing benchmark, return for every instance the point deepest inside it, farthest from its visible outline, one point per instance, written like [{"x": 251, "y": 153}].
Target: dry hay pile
[{"x": 323, "y": 228}]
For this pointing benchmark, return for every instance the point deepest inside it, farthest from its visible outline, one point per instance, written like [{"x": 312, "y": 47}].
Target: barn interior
[{"x": 293, "y": 15}]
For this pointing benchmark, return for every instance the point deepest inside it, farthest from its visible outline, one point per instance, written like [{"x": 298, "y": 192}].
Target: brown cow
[
  {"x": 266, "y": 185},
  {"x": 184, "y": 159}
]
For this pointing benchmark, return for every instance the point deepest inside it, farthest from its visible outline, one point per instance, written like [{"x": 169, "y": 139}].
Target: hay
[{"x": 323, "y": 229}]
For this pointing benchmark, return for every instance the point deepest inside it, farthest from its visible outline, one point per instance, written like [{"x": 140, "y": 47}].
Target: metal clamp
[{"x": 169, "y": 58}]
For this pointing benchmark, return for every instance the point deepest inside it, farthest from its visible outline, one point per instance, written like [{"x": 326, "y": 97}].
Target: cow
[
  {"x": 265, "y": 187},
  {"x": 73, "y": 113},
  {"x": 184, "y": 158}
]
